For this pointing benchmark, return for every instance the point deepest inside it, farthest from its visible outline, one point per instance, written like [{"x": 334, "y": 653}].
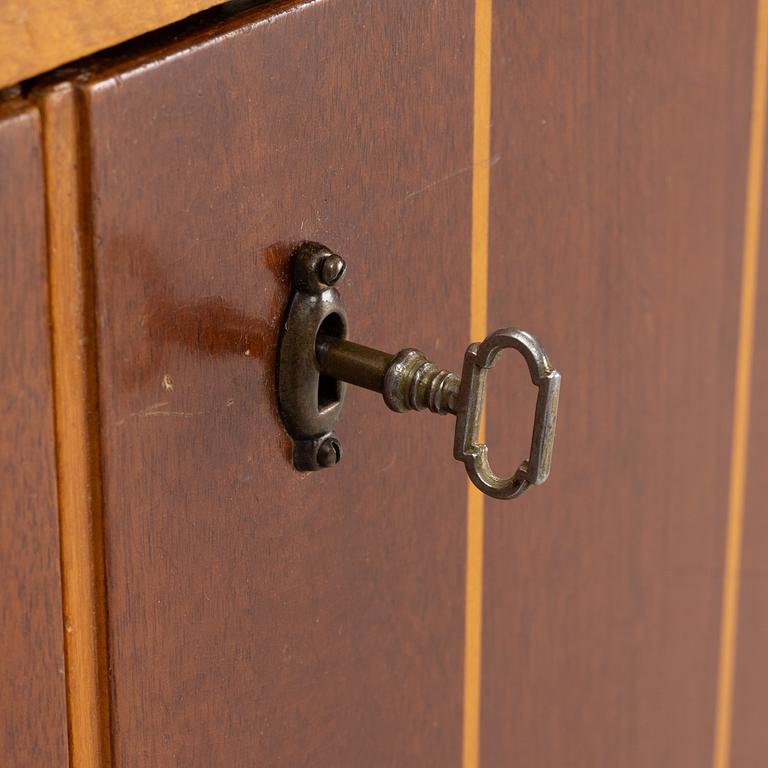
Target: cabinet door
[
  {"x": 258, "y": 615},
  {"x": 627, "y": 193},
  {"x": 581, "y": 173},
  {"x": 32, "y": 690}
]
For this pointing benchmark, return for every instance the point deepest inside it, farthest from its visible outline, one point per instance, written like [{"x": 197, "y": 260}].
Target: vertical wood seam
[
  {"x": 481, "y": 140},
  {"x": 741, "y": 404},
  {"x": 71, "y": 293}
]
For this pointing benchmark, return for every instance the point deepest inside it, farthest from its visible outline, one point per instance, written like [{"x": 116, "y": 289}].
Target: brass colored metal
[
  {"x": 407, "y": 380},
  {"x": 353, "y": 363},
  {"x": 316, "y": 358},
  {"x": 413, "y": 383}
]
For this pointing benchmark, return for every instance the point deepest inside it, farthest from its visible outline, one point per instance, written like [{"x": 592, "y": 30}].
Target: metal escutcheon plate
[{"x": 310, "y": 406}]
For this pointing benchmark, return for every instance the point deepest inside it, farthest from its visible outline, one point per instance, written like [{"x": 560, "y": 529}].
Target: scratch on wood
[
  {"x": 495, "y": 159},
  {"x": 156, "y": 410}
]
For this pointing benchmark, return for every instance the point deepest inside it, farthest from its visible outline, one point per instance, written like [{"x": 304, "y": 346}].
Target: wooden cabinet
[{"x": 591, "y": 174}]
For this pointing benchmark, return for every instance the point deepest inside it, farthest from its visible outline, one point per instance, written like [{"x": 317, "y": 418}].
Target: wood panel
[
  {"x": 258, "y": 615},
  {"x": 33, "y": 717},
  {"x": 619, "y": 154},
  {"x": 749, "y": 740}
]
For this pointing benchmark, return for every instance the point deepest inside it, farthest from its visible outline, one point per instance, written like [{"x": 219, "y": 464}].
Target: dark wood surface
[
  {"x": 620, "y": 141},
  {"x": 258, "y": 616},
  {"x": 750, "y": 736},
  {"x": 33, "y": 717}
]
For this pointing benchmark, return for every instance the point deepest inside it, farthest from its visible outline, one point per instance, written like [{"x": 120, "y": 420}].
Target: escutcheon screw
[
  {"x": 332, "y": 269},
  {"x": 329, "y": 452}
]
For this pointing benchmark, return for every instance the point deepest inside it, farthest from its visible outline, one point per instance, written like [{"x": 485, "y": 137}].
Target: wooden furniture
[{"x": 175, "y": 593}]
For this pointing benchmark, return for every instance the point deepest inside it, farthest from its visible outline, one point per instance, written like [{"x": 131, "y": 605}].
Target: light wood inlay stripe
[
  {"x": 481, "y": 143},
  {"x": 75, "y": 407},
  {"x": 733, "y": 545}
]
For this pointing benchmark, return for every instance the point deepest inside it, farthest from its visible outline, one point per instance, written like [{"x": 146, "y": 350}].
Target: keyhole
[{"x": 328, "y": 388}]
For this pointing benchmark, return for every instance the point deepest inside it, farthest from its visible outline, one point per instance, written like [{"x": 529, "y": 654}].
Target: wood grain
[
  {"x": 257, "y": 615},
  {"x": 72, "y": 320},
  {"x": 33, "y": 717},
  {"x": 620, "y": 146},
  {"x": 742, "y": 393},
  {"x": 38, "y": 35},
  {"x": 749, "y": 739}
]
